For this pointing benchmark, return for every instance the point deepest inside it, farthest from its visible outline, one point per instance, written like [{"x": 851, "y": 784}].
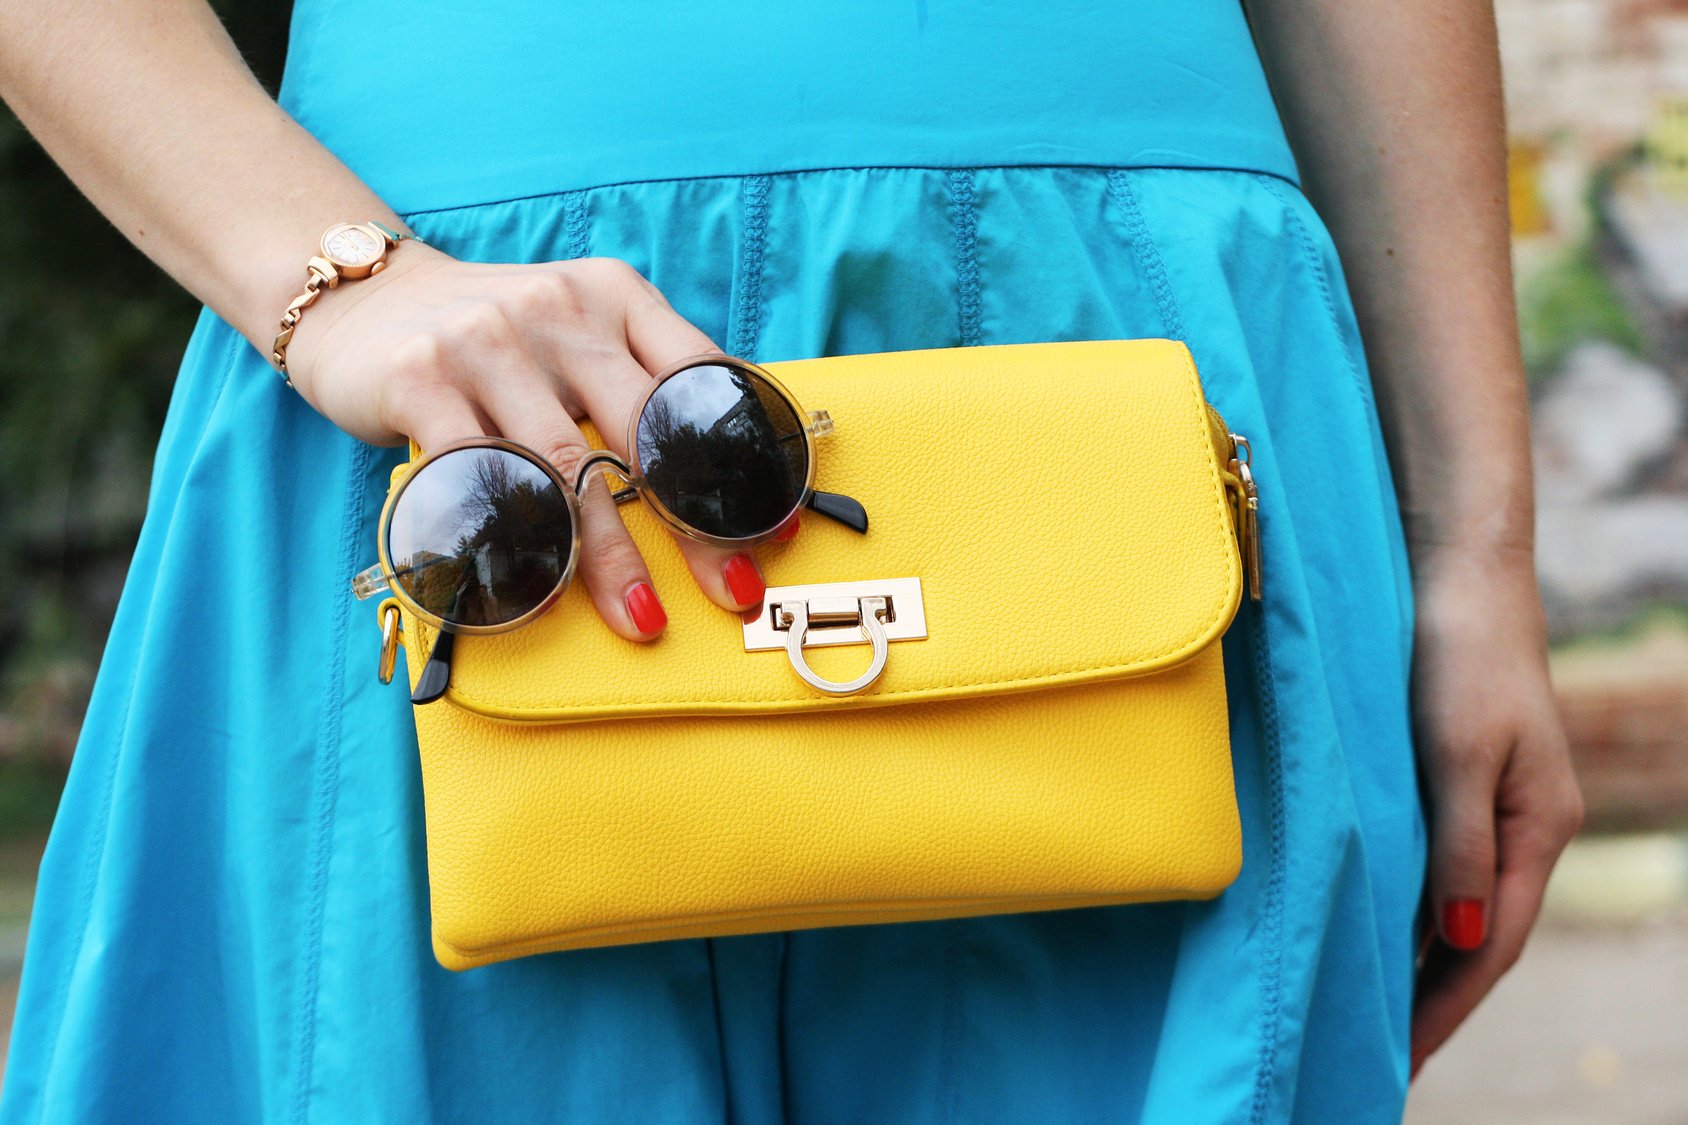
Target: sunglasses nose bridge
[{"x": 610, "y": 460}]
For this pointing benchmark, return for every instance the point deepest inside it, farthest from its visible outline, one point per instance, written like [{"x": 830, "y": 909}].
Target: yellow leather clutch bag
[{"x": 1059, "y": 538}]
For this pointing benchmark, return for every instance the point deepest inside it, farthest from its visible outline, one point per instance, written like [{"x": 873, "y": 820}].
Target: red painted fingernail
[
  {"x": 788, "y": 530},
  {"x": 743, "y": 582},
  {"x": 644, "y": 608},
  {"x": 1462, "y": 922}
]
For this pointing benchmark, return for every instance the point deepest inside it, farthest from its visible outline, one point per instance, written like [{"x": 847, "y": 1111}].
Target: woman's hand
[
  {"x": 439, "y": 349},
  {"x": 1504, "y": 801},
  {"x": 1406, "y": 164}
]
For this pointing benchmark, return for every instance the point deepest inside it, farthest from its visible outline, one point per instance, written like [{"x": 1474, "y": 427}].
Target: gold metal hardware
[
  {"x": 1247, "y": 503},
  {"x": 868, "y": 613},
  {"x": 875, "y": 611},
  {"x": 389, "y": 639}
]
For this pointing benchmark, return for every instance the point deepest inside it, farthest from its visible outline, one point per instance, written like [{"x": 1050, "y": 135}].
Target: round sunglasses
[{"x": 482, "y": 535}]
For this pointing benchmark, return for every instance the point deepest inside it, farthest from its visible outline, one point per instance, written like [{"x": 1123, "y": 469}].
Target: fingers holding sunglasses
[
  {"x": 659, "y": 337},
  {"x": 608, "y": 377},
  {"x": 613, "y": 569},
  {"x": 526, "y": 410}
]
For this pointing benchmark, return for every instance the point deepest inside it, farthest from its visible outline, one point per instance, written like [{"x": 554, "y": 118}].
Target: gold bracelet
[{"x": 350, "y": 251}]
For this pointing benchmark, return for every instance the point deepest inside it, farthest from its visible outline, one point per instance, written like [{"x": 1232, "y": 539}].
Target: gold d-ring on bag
[{"x": 1007, "y": 695}]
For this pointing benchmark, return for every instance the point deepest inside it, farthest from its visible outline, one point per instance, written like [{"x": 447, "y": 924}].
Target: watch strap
[{"x": 393, "y": 236}]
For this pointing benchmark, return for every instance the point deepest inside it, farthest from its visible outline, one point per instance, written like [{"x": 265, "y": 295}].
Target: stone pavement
[
  {"x": 1591, "y": 1025},
  {"x": 1589, "y": 1028}
]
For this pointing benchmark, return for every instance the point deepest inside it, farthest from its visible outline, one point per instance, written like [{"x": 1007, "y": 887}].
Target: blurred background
[{"x": 1592, "y": 1024}]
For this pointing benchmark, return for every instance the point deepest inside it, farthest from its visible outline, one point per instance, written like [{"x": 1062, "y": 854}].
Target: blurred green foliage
[
  {"x": 91, "y": 335},
  {"x": 1566, "y": 302}
]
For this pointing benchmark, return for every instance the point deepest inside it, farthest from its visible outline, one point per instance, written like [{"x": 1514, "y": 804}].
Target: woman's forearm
[
  {"x": 152, "y": 112},
  {"x": 1396, "y": 118}
]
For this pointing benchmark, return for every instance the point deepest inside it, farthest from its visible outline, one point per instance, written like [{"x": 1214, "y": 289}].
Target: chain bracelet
[{"x": 322, "y": 275}]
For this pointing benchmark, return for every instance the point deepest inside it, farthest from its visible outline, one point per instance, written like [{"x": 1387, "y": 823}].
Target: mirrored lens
[
  {"x": 723, "y": 451},
  {"x": 480, "y": 536}
]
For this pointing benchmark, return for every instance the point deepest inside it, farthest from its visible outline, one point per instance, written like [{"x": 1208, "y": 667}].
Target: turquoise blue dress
[{"x": 232, "y": 920}]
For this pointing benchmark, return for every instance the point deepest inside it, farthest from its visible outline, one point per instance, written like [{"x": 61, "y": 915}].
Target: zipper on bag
[{"x": 1245, "y": 501}]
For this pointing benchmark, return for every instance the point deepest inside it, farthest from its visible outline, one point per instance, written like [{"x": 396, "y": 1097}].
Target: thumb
[{"x": 1462, "y": 847}]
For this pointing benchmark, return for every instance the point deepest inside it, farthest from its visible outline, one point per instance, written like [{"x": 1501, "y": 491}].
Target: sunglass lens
[
  {"x": 723, "y": 451},
  {"x": 480, "y": 536}
]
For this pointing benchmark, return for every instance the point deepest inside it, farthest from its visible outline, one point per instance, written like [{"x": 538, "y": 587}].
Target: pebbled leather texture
[{"x": 1060, "y": 738}]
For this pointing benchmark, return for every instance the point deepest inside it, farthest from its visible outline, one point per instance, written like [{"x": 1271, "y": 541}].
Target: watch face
[{"x": 351, "y": 245}]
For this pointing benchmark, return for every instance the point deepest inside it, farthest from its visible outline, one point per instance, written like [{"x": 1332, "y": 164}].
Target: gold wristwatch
[{"x": 350, "y": 251}]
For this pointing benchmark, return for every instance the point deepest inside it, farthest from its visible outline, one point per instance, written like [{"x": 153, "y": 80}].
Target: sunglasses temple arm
[
  {"x": 436, "y": 674},
  {"x": 844, "y": 509}
]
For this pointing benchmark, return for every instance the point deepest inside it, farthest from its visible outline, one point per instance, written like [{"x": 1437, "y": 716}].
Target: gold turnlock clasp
[{"x": 874, "y": 611}]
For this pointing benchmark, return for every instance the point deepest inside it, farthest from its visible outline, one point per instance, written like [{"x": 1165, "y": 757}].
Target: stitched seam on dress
[
  {"x": 720, "y": 1030},
  {"x": 1271, "y": 971},
  {"x": 447, "y": 209},
  {"x": 1148, "y": 253},
  {"x": 966, "y": 221},
  {"x": 576, "y": 225},
  {"x": 947, "y": 1090},
  {"x": 748, "y": 313},
  {"x": 96, "y": 848},
  {"x": 324, "y": 792},
  {"x": 1316, "y": 263},
  {"x": 781, "y": 1028}
]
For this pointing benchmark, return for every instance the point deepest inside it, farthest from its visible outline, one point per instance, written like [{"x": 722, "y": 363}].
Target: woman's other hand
[
  {"x": 439, "y": 349},
  {"x": 1503, "y": 799}
]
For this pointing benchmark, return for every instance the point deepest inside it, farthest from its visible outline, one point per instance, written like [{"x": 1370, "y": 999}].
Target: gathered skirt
[{"x": 232, "y": 917}]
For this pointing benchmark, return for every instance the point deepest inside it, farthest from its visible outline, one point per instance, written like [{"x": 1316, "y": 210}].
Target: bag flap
[{"x": 1063, "y": 504}]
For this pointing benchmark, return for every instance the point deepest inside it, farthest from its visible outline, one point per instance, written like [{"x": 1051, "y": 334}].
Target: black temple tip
[
  {"x": 436, "y": 674},
  {"x": 842, "y": 508}
]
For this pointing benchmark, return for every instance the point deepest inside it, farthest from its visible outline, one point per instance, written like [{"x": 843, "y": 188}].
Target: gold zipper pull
[{"x": 1248, "y": 514}]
